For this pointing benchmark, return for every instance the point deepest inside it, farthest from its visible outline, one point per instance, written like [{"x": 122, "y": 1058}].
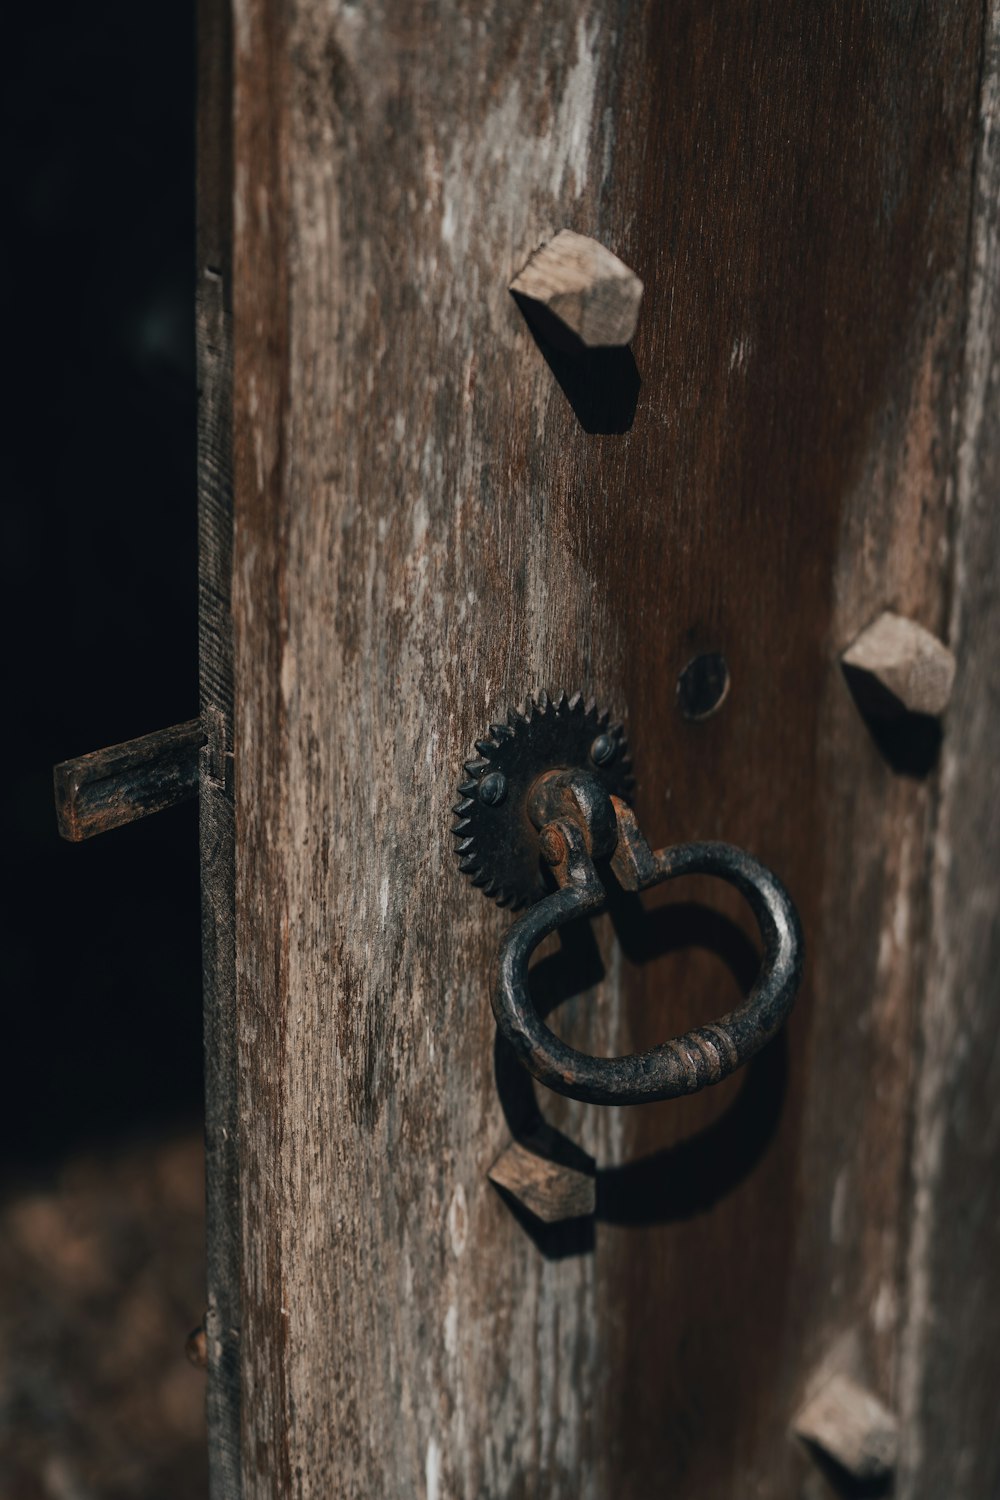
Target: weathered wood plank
[
  {"x": 214, "y": 351},
  {"x": 424, "y": 533},
  {"x": 951, "y": 1340}
]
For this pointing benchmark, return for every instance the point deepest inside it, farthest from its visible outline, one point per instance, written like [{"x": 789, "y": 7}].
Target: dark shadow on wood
[
  {"x": 576, "y": 967},
  {"x": 844, "y": 1485},
  {"x": 909, "y": 743},
  {"x": 682, "y": 1180},
  {"x": 601, "y": 385},
  {"x": 570, "y": 1236},
  {"x": 687, "y": 1179},
  {"x": 648, "y": 935},
  {"x": 555, "y": 1241}
]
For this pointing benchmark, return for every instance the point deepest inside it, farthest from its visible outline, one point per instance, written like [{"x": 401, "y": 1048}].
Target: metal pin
[
  {"x": 602, "y": 751},
  {"x": 493, "y": 788}
]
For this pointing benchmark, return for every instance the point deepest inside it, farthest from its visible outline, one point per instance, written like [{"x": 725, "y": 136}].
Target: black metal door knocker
[{"x": 549, "y": 792}]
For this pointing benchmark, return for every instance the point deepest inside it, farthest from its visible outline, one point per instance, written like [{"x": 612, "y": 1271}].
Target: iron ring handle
[{"x": 686, "y": 1063}]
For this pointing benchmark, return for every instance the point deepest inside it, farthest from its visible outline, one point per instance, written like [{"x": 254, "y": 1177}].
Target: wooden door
[{"x": 413, "y": 519}]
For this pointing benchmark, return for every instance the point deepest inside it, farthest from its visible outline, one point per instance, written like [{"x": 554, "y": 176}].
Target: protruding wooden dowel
[
  {"x": 585, "y": 286},
  {"x": 906, "y": 667},
  {"x": 548, "y": 1189},
  {"x": 124, "y": 782},
  {"x": 852, "y": 1426},
  {"x": 196, "y": 1348}
]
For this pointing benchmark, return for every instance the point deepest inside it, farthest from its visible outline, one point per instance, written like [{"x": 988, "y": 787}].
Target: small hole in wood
[{"x": 703, "y": 686}]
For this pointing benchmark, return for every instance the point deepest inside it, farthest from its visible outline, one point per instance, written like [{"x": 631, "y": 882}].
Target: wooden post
[{"x": 425, "y": 532}]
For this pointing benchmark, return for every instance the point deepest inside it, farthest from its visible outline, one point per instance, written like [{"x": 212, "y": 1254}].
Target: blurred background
[{"x": 101, "y": 1174}]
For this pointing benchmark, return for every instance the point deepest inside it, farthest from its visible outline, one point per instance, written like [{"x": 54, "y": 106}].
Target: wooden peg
[
  {"x": 849, "y": 1424},
  {"x": 548, "y": 1189},
  {"x": 585, "y": 286},
  {"x": 906, "y": 668},
  {"x": 110, "y": 787},
  {"x": 196, "y": 1348}
]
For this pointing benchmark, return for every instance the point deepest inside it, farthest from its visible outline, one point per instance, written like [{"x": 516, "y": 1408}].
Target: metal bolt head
[
  {"x": 603, "y": 750},
  {"x": 493, "y": 788},
  {"x": 553, "y": 845}
]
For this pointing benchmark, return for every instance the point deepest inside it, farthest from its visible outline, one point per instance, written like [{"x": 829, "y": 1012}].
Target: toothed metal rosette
[{"x": 496, "y": 842}]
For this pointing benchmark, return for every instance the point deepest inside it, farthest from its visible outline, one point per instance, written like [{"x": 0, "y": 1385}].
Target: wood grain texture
[
  {"x": 217, "y": 823},
  {"x": 951, "y": 1340},
  {"x": 425, "y": 533}
]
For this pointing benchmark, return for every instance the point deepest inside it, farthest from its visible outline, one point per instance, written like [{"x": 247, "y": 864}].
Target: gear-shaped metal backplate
[{"x": 497, "y": 844}]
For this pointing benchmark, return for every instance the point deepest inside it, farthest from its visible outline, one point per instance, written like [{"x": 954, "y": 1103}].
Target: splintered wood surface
[
  {"x": 437, "y": 513},
  {"x": 213, "y": 310}
]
